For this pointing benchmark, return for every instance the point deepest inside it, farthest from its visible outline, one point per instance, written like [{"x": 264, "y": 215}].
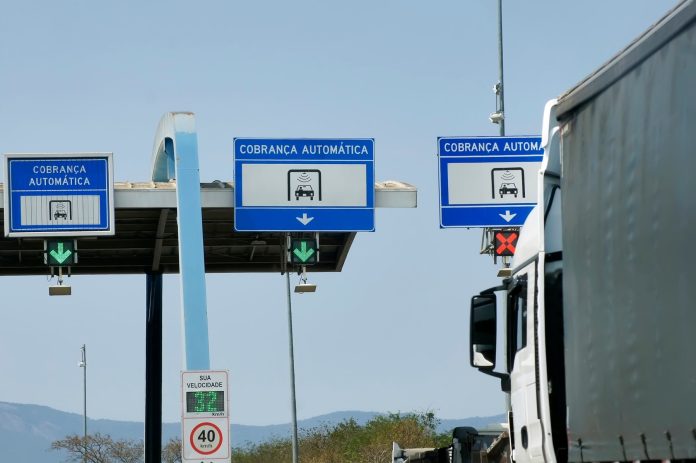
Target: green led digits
[
  {"x": 205, "y": 401},
  {"x": 200, "y": 404}
]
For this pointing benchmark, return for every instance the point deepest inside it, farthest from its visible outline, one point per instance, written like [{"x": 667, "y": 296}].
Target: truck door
[{"x": 523, "y": 366}]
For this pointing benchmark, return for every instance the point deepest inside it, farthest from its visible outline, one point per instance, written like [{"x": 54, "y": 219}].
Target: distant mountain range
[{"x": 26, "y": 431}]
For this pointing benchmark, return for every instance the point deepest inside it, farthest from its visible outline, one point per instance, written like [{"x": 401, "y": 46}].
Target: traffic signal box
[
  {"x": 303, "y": 251},
  {"x": 505, "y": 242},
  {"x": 60, "y": 253}
]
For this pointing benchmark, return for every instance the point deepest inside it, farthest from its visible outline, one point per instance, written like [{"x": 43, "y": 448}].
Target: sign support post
[
  {"x": 153, "y": 368},
  {"x": 293, "y": 403}
]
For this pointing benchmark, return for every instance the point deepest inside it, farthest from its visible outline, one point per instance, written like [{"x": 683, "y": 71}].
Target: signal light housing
[{"x": 505, "y": 242}]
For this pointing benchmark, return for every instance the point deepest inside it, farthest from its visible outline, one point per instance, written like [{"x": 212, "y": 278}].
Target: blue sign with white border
[
  {"x": 304, "y": 184},
  {"x": 59, "y": 195},
  {"x": 488, "y": 181}
]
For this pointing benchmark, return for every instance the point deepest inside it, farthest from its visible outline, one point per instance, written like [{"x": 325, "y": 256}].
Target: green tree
[
  {"x": 100, "y": 448},
  {"x": 171, "y": 452}
]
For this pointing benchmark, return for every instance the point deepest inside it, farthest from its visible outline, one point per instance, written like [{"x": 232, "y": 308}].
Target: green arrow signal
[
  {"x": 62, "y": 255},
  {"x": 303, "y": 253}
]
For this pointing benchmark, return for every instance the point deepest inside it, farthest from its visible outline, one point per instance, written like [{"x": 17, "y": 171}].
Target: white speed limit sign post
[{"x": 205, "y": 417}]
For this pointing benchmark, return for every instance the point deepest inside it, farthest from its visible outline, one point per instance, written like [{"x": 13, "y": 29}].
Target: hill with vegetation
[{"x": 28, "y": 431}]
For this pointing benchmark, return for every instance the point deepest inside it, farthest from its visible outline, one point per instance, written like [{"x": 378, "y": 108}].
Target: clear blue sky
[{"x": 389, "y": 333}]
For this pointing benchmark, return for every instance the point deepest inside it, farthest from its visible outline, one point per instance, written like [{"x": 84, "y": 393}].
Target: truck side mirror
[{"x": 483, "y": 328}]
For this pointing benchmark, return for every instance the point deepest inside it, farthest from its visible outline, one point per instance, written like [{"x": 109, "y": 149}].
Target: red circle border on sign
[{"x": 193, "y": 431}]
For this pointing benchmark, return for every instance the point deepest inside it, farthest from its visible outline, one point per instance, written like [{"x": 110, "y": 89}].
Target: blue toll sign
[
  {"x": 59, "y": 195},
  {"x": 488, "y": 181},
  {"x": 304, "y": 184}
]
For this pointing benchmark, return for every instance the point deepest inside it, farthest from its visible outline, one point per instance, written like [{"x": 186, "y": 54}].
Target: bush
[{"x": 349, "y": 442}]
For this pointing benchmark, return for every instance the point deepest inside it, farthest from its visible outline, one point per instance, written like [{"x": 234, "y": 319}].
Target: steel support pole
[
  {"x": 153, "y": 369},
  {"x": 191, "y": 260},
  {"x": 83, "y": 364},
  {"x": 486, "y": 246},
  {"x": 501, "y": 95},
  {"x": 293, "y": 403},
  {"x": 175, "y": 156},
  {"x": 84, "y": 390}
]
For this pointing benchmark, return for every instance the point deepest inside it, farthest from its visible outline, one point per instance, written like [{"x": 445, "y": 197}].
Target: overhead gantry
[{"x": 173, "y": 223}]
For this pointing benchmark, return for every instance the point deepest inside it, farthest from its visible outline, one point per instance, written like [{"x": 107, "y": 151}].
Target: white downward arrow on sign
[
  {"x": 507, "y": 216},
  {"x": 304, "y": 220}
]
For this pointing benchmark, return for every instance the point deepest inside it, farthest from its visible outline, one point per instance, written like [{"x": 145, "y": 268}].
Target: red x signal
[{"x": 505, "y": 243}]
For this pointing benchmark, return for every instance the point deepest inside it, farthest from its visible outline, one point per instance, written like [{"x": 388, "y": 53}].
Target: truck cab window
[
  {"x": 517, "y": 320},
  {"x": 553, "y": 239},
  {"x": 521, "y": 316}
]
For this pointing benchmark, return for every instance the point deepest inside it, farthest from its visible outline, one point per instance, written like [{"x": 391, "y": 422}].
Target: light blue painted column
[{"x": 175, "y": 156}]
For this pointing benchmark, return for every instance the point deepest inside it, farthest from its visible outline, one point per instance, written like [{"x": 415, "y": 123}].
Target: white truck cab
[{"x": 525, "y": 375}]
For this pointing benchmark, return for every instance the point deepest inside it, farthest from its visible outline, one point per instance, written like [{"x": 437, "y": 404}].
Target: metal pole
[
  {"x": 175, "y": 156},
  {"x": 84, "y": 389},
  {"x": 83, "y": 365},
  {"x": 501, "y": 95},
  {"x": 153, "y": 369},
  {"x": 295, "y": 445},
  {"x": 487, "y": 246}
]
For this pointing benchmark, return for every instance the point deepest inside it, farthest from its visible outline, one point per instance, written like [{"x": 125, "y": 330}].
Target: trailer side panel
[{"x": 629, "y": 234}]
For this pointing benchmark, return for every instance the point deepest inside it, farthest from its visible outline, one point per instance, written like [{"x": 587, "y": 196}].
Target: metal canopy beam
[
  {"x": 160, "y": 195},
  {"x": 139, "y": 225}
]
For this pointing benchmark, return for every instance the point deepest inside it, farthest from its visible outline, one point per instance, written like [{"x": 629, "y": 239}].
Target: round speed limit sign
[{"x": 206, "y": 438}]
